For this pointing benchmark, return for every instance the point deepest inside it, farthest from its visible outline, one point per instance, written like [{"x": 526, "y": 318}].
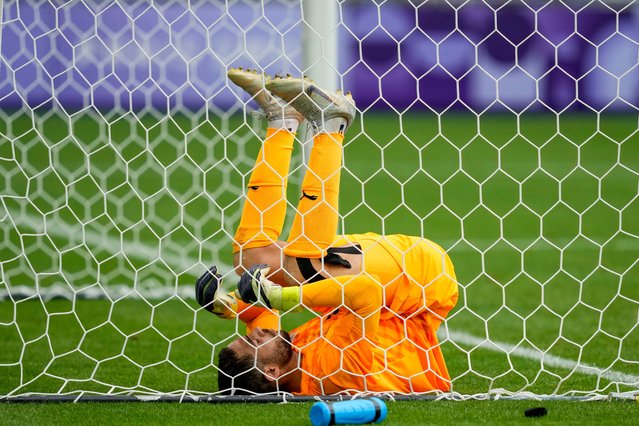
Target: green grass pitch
[{"x": 539, "y": 215}]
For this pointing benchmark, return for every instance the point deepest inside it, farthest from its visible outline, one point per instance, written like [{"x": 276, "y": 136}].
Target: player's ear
[{"x": 272, "y": 372}]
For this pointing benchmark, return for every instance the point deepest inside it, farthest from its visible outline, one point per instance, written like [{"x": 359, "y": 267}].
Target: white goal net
[{"x": 505, "y": 131}]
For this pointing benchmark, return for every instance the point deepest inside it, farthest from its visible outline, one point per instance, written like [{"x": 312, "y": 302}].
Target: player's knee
[
  {"x": 237, "y": 263},
  {"x": 269, "y": 255},
  {"x": 244, "y": 259}
]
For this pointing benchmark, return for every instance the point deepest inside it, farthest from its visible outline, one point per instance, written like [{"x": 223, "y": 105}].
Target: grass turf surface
[
  {"x": 540, "y": 218},
  {"x": 399, "y": 413}
]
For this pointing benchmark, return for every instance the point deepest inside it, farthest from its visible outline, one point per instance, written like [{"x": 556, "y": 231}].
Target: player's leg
[
  {"x": 315, "y": 224},
  {"x": 264, "y": 211}
]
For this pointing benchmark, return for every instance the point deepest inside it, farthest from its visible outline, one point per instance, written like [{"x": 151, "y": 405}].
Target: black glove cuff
[{"x": 206, "y": 286}]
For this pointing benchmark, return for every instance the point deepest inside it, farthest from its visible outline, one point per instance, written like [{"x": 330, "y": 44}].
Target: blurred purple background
[{"x": 131, "y": 56}]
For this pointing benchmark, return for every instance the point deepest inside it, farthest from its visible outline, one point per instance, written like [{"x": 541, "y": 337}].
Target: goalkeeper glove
[
  {"x": 255, "y": 287},
  {"x": 210, "y": 296}
]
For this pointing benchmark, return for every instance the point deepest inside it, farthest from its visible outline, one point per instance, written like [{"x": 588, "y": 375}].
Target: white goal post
[{"x": 506, "y": 131}]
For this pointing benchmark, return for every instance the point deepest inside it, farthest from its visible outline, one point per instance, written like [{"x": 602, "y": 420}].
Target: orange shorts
[{"x": 417, "y": 274}]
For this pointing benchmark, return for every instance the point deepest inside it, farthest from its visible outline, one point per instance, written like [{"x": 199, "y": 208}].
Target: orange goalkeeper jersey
[
  {"x": 381, "y": 333},
  {"x": 400, "y": 359},
  {"x": 402, "y": 354}
]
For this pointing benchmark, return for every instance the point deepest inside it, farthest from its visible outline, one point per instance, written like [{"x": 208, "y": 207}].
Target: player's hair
[{"x": 240, "y": 375}]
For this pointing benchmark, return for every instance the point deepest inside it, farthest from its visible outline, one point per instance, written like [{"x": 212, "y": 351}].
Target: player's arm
[
  {"x": 362, "y": 294},
  {"x": 257, "y": 316}
]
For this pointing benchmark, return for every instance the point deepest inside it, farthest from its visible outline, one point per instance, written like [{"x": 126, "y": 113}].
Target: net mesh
[{"x": 505, "y": 131}]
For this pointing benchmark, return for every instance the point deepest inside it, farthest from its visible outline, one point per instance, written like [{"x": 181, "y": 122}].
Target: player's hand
[
  {"x": 210, "y": 295},
  {"x": 255, "y": 287}
]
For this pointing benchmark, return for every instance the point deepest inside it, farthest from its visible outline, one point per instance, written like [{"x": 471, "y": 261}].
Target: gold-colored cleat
[
  {"x": 314, "y": 103},
  {"x": 253, "y": 83}
]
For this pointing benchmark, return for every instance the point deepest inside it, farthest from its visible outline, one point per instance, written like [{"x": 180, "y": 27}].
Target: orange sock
[
  {"x": 315, "y": 224},
  {"x": 265, "y": 206}
]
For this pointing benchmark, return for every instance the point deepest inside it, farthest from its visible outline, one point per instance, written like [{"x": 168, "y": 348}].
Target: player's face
[{"x": 269, "y": 346}]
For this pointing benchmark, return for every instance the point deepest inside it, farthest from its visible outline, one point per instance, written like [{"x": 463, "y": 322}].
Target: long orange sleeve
[
  {"x": 361, "y": 294},
  {"x": 256, "y": 316}
]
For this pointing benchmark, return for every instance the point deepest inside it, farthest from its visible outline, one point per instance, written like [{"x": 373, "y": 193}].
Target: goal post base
[{"x": 285, "y": 398}]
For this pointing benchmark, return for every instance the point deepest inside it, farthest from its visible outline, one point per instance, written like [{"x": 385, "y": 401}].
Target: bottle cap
[{"x": 320, "y": 414}]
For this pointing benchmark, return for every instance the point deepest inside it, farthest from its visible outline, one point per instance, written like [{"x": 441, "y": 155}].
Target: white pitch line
[
  {"x": 109, "y": 243},
  {"x": 140, "y": 250},
  {"x": 97, "y": 292},
  {"x": 548, "y": 360}
]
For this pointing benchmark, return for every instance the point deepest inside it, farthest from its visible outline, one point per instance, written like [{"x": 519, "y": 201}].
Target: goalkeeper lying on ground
[{"x": 382, "y": 298}]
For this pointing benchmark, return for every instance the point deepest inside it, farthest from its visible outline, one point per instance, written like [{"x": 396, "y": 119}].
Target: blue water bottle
[{"x": 356, "y": 411}]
